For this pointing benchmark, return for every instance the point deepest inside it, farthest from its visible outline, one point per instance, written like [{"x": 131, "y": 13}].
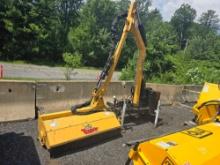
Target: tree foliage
[
  {"x": 210, "y": 20},
  {"x": 181, "y": 50},
  {"x": 32, "y": 29},
  {"x": 72, "y": 61},
  {"x": 166, "y": 62},
  {"x": 182, "y": 21},
  {"x": 92, "y": 37}
]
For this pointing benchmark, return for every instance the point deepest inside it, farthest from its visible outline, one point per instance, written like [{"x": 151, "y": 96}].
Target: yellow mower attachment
[
  {"x": 93, "y": 117},
  {"x": 63, "y": 127},
  {"x": 208, "y": 105},
  {"x": 195, "y": 146}
]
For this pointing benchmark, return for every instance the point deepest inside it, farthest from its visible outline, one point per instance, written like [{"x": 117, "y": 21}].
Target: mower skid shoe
[{"x": 60, "y": 128}]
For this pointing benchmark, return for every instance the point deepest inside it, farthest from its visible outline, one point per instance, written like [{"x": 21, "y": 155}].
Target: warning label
[{"x": 197, "y": 132}]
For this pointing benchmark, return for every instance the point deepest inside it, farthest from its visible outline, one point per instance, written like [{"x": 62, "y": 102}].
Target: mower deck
[{"x": 64, "y": 127}]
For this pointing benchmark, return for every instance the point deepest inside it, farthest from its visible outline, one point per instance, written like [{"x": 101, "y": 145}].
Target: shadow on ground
[
  {"x": 17, "y": 149},
  {"x": 84, "y": 144},
  {"x": 136, "y": 119}
]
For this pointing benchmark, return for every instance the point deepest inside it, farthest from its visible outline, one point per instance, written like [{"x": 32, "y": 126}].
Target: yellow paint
[
  {"x": 210, "y": 93},
  {"x": 63, "y": 127},
  {"x": 195, "y": 146},
  {"x": 181, "y": 148},
  {"x": 55, "y": 130},
  {"x": 131, "y": 25}
]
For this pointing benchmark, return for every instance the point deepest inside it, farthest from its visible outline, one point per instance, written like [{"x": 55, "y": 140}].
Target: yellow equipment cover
[
  {"x": 195, "y": 146},
  {"x": 63, "y": 127},
  {"x": 208, "y": 105}
]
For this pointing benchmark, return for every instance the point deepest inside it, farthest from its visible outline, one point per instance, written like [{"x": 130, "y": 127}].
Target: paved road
[
  {"x": 19, "y": 145},
  {"x": 52, "y": 73}
]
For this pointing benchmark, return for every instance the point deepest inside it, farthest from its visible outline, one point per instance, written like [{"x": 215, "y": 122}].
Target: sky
[{"x": 168, "y": 7}]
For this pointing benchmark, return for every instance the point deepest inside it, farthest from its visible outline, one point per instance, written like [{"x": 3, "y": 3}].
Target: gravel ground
[{"x": 18, "y": 143}]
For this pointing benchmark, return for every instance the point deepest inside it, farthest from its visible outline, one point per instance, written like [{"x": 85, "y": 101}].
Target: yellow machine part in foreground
[
  {"x": 63, "y": 127},
  {"x": 207, "y": 107},
  {"x": 195, "y": 146}
]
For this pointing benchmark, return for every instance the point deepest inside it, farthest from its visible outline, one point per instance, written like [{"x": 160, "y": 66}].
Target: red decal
[{"x": 89, "y": 129}]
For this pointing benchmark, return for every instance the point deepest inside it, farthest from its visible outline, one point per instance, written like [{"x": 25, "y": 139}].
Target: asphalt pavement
[{"x": 30, "y": 71}]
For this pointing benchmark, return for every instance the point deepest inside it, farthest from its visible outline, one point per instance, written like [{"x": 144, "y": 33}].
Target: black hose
[
  {"x": 114, "y": 41},
  {"x": 214, "y": 102},
  {"x": 104, "y": 73},
  {"x": 135, "y": 148},
  {"x": 77, "y": 106},
  {"x": 143, "y": 33}
]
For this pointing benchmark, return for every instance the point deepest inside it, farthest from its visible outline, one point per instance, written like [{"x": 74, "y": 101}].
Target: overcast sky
[{"x": 168, "y": 7}]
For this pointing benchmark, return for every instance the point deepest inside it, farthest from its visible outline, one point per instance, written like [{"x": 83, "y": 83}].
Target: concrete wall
[
  {"x": 177, "y": 93},
  {"x": 52, "y": 96},
  {"x": 190, "y": 93},
  {"x": 169, "y": 93},
  {"x": 17, "y": 100}
]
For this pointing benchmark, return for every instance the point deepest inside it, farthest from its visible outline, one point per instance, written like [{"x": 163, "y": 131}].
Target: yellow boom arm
[{"x": 132, "y": 24}]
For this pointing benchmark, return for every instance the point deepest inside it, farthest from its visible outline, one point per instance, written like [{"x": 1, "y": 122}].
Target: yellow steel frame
[
  {"x": 63, "y": 127},
  {"x": 193, "y": 146},
  {"x": 131, "y": 25},
  {"x": 197, "y": 145},
  {"x": 210, "y": 94}
]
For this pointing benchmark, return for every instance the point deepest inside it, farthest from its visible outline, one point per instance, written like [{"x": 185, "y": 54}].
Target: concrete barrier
[
  {"x": 17, "y": 100},
  {"x": 53, "y": 96},
  {"x": 169, "y": 93},
  {"x": 190, "y": 93}
]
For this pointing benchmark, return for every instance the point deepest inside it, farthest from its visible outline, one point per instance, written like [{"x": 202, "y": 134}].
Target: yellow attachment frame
[
  {"x": 63, "y": 127},
  {"x": 131, "y": 25},
  {"x": 208, "y": 105},
  {"x": 194, "y": 146}
]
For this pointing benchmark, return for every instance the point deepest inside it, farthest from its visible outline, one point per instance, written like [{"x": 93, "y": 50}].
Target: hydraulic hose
[
  {"x": 104, "y": 73},
  {"x": 114, "y": 41}
]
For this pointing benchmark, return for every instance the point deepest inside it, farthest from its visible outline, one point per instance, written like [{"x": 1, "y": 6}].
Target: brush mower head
[
  {"x": 60, "y": 128},
  {"x": 198, "y": 145}
]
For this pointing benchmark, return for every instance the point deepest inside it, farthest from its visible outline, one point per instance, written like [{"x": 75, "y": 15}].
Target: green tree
[
  {"x": 190, "y": 71},
  {"x": 27, "y": 26},
  {"x": 122, "y": 5},
  {"x": 143, "y": 8},
  {"x": 68, "y": 17},
  {"x": 204, "y": 48},
  {"x": 72, "y": 61},
  {"x": 92, "y": 37},
  {"x": 161, "y": 42},
  {"x": 31, "y": 29},
  {"x": 6, "y": 28},
  {"x": 182, "y": 20},
  {"x": 210, "y": 20}
]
